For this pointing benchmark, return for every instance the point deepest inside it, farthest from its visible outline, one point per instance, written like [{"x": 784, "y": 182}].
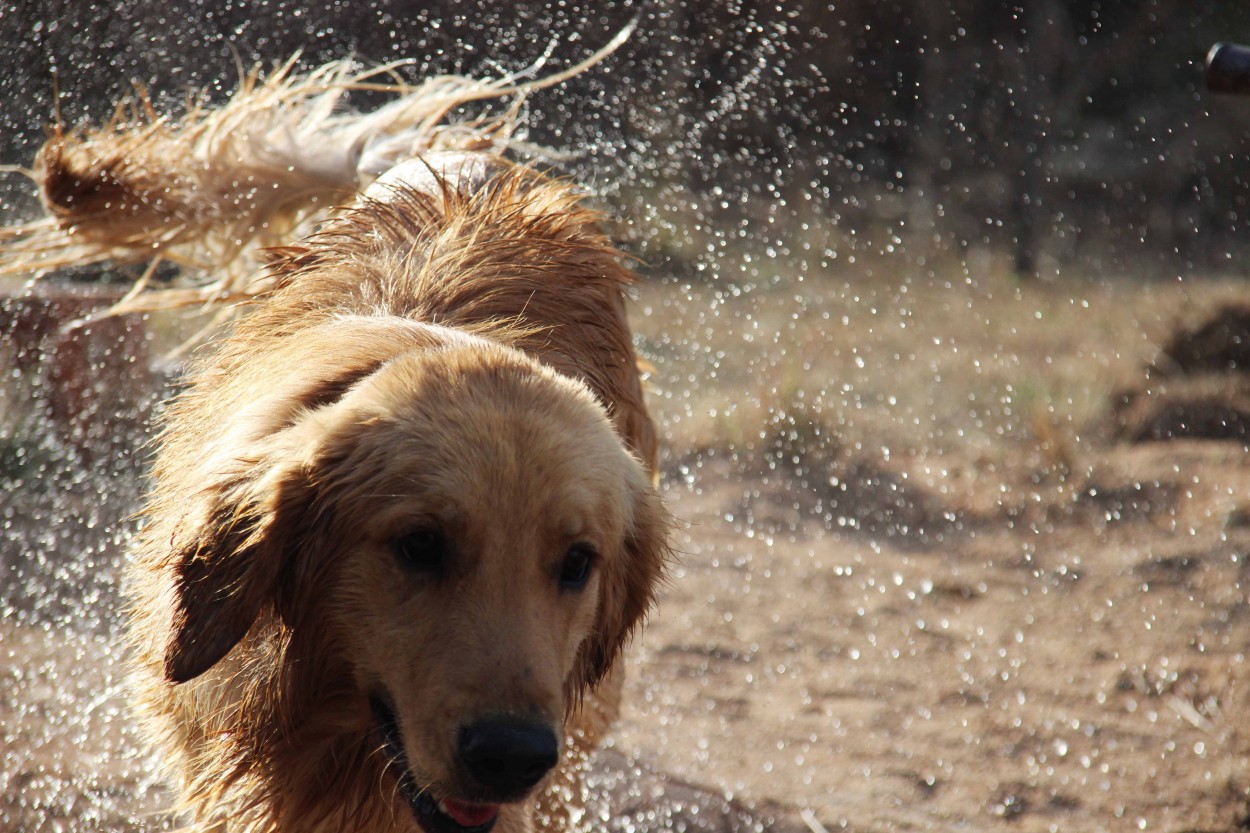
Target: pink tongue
[{"x": 469, "y": 815}]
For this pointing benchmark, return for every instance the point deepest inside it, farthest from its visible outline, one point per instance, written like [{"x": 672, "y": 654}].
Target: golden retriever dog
[{"x": 402, "y": 517}]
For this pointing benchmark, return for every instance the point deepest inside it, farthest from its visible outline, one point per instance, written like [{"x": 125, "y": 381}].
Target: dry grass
[
  {"x": 955, "y": 379},
  {"x": 1060, "y": 653}
]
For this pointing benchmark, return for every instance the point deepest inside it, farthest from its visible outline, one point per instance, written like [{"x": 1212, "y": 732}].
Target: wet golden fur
[
  {"x": 448, "y": 352},
  {"x": 455, "y": 359}
]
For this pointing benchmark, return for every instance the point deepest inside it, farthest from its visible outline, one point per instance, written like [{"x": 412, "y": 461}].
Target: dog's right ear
[
  {"x": 229, "y": 543},
  {"x": 231, "y": 565}
]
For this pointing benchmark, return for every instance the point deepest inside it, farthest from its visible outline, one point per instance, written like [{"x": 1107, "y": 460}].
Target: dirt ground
[
  {"x": 923, "y": 583},
  {"x": 1084, "y": 677}
]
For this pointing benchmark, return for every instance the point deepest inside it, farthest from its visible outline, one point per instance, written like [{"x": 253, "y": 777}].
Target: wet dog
[{"x": 403, "y": 515}]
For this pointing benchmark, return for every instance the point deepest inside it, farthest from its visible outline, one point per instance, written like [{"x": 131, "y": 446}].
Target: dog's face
[
  {"x": 467, "y": 534},
  {"x": 500, "y": 519}
]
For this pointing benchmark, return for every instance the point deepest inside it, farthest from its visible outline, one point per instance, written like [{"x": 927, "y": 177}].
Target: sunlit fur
[
  {"x": 209, "y": 188},
  {"x": 457, "y": 357}
]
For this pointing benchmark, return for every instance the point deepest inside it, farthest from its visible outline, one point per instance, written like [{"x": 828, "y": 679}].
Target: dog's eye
[
  {"x": 576, "y": 567},
  {"x": 424, "y": 550}
]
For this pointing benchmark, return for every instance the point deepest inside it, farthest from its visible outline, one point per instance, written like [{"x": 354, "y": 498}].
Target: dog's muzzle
[
  {"x": 507, "y": 756},
  {"x": 502, "y": 757}
]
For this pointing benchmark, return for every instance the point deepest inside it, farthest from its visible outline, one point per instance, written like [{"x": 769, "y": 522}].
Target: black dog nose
[{"x": 507, "y": 755}]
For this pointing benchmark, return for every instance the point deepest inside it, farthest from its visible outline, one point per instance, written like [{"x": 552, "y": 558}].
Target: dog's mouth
[{"x": 434, "y": 815}]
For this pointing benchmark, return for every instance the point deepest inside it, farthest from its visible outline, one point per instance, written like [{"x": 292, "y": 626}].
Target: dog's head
[{"x": 460, "y": 527}]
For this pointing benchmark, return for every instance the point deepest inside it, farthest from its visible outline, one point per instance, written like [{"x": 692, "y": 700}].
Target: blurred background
[
  {"x": 1060, "y": 133},
  {"x": 947, "y": 312}
]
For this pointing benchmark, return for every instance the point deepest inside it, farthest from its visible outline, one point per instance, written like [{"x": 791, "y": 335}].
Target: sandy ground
[
  {"x": 1036, "y": 628},
  {"x": 1085, "y": 677}
]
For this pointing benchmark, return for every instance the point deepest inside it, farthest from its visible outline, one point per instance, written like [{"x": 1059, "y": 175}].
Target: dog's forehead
[
  {"x": 474, "y": 406},
  {"x": 495, "y": 437},
  {"x": 505, "y": 447},
  {"x": 460, "y": 476},
  {"x": 571, "y": 492},
  {"x": 488, "y": 519}
]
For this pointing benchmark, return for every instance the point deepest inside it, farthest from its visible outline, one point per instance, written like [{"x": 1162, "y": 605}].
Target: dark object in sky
[{"x": 1228, "y": 68}]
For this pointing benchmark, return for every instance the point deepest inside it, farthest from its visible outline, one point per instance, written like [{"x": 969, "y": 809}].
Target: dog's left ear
[{"x": 628, "y": 587}]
